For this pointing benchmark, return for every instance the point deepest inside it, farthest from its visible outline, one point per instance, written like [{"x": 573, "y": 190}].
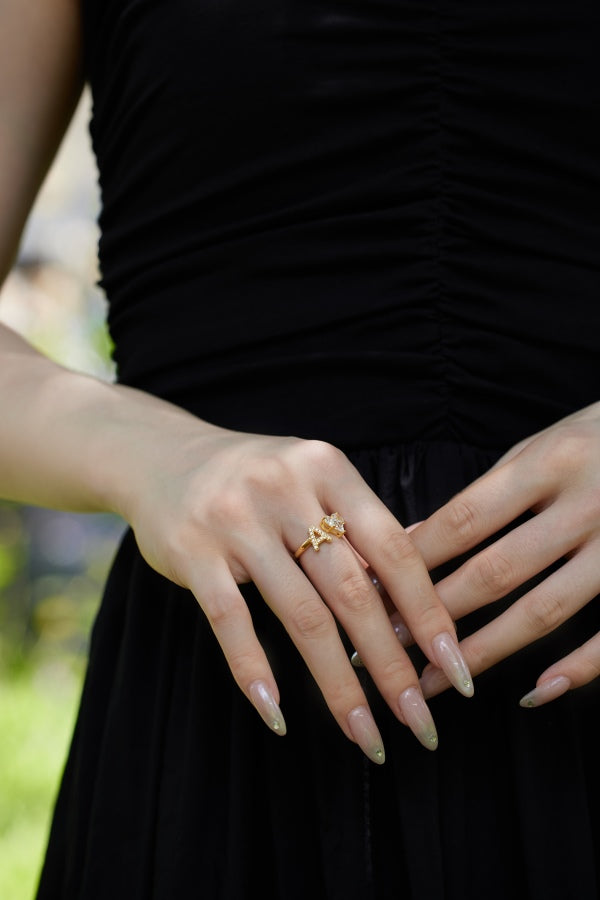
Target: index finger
[{"x": 480, "y": 510}]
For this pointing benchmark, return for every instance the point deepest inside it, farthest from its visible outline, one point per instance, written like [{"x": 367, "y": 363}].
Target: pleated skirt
[{"x": 174, "y": 787}]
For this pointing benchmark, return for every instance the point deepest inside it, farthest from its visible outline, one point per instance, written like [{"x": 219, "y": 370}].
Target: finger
[
  {"x": 376, "y": 582},
  {"x": 401, "y": 631},
  {"x": 511, "y": 561},
  {"x": 581, "y": 415},
  {"x": 340, "y": 578},
  {"x": 312, "y": 628},
  {"x": 403, "y": 635},
  {"x": 575, "y": 670},
  {"x": 219, "y": 597},
  {"x": 479, "y": 511},
  {"x": 379, "y": 538},
  {"x": 536, "y": 614}
]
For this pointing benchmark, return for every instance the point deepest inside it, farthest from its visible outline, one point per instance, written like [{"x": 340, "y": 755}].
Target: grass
[{"x": 37, "y": 713}]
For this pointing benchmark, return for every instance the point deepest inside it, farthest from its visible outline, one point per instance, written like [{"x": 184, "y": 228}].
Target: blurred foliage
[
  {"x": 37, "y": 709},
  {"x": 52, "y": 570},
  {"x": 52, "y": 564}
]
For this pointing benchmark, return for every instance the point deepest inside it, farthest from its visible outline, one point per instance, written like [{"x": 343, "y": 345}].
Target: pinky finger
[
  {"x": 229, "y": 617},
  {"x": 578, "y": 668}
]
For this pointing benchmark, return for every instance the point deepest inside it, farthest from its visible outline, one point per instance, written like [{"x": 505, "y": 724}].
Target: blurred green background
[{"x": 52, "y": 564}]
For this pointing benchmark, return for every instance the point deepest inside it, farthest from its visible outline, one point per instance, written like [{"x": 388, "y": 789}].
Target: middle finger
[{"x": 348, "y": 591}]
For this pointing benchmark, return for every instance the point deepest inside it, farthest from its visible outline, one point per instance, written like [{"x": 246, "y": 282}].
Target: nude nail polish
[
  {"x": 546, "y": 691},
  {"x": 366, "y": 734},
  {"x": 265, "y": 703},
  {"x": 402, "y": 633},
  {"x": 453, "y": 664},
  {"x": 418, "y": 718}
]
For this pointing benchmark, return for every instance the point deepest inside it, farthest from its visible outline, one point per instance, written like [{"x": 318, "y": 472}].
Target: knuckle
[
  {"x": 396, "y": 670},
  {"x": 268, "y": 474},
  {"x": 429, "y": 613},
  {"x": 494, "y": 573},
  {"x": 226, "y": 508},
  {"x": 311, "y": 619},
  {"x": 221, "y": 611},
  {"x": 243, "y": 663},
  {"x": 353, "y": 593},
  {"x": 398, "y": 550},
  {"x": 571, "y": 447},
  {"x": 179, "y": 548},
  {"x": 587, "y": 665},
  {"x": 340, "y": 696},
  {"x": 477, "y": 654},
  {"x": 590, "y": 508},
  {"x": 461, "y": 521},
  {"x": 322, "y": 455},
  {"x": 544, "y": 611}
]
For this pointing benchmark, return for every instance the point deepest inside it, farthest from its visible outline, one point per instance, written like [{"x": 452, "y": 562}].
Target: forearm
[{"x": 70, "y": 441}]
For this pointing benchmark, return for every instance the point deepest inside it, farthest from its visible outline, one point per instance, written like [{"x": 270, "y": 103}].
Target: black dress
[{"x": 375, "y": 222}]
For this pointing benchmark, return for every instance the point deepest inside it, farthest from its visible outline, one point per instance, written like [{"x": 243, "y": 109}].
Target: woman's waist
[
  {"x": 362, "y": 400},
  {"x": 363, "y": 368}
]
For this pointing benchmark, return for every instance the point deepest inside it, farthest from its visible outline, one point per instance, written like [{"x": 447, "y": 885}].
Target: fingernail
[
  {"x": 366, "y": 734},
  {"x": 546, "y": 691},
  {"x": 267, "y": 707},
  {"x": 418, "y": 718},
  {"x": 402, "y": 633},
  {"x": 452, "y": 662},
  {"x": 356, "y": 660}
]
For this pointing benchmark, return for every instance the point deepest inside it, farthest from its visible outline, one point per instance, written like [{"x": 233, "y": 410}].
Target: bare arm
[
  {"x": 50, "y": 453},
  {"x": 40, "y": 84}
]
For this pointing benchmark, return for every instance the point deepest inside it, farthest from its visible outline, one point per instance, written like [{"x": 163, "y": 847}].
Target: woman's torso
[{"x": 367, "y": 222}]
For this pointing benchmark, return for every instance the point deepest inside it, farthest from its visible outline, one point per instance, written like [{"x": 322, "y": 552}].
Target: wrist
[{"x": 140, "y": 439}]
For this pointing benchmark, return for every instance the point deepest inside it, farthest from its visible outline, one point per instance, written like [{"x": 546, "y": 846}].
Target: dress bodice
[{"x": 360, "y": 221}]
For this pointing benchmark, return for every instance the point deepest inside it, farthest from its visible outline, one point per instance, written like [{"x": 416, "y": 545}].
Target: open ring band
[{"x": 330, "y": 527}]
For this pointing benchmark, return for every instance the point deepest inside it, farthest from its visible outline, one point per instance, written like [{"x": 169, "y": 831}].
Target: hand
[
  {"x": 213, "y": 512},
  {"x": 556, "y": 476}
]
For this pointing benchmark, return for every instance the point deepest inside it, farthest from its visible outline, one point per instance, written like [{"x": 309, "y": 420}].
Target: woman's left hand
[{"x": 556, "y": 476}]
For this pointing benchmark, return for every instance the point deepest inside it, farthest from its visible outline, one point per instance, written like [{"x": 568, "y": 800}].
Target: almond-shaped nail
[
  {"x": 546, "y": 691},
  {"x": 418, "y": 718},
  {"x": 265, "y": 703},
  {"x": 356, "y": 660},
  {"x": 366, "y": 734},
  {"x": 452, "y": 662}
]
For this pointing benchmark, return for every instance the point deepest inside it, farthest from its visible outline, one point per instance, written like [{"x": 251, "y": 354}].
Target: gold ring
[{"x": 330, "y": 527}]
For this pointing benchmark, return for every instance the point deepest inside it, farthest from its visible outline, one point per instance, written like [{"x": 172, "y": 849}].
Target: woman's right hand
[{"x": 213, "y": 509}]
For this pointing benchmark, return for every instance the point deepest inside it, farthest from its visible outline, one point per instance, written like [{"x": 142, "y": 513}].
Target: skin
[
  {"x": 212, "y": 509},
  {"x": 556, "y": 475}
]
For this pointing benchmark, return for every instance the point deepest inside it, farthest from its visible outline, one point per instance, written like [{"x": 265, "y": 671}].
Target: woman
[{"x": 374, "y": 228}]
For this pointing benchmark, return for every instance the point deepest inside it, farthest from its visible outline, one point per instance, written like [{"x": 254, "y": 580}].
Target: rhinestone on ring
[{"x": 330, "y": 527}]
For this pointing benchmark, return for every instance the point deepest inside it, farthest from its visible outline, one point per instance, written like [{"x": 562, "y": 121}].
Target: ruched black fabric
[{"x": 375, "y": 223}]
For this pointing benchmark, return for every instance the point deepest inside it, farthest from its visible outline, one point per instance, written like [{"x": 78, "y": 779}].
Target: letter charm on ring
[{"x": 330, "y": 527}]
